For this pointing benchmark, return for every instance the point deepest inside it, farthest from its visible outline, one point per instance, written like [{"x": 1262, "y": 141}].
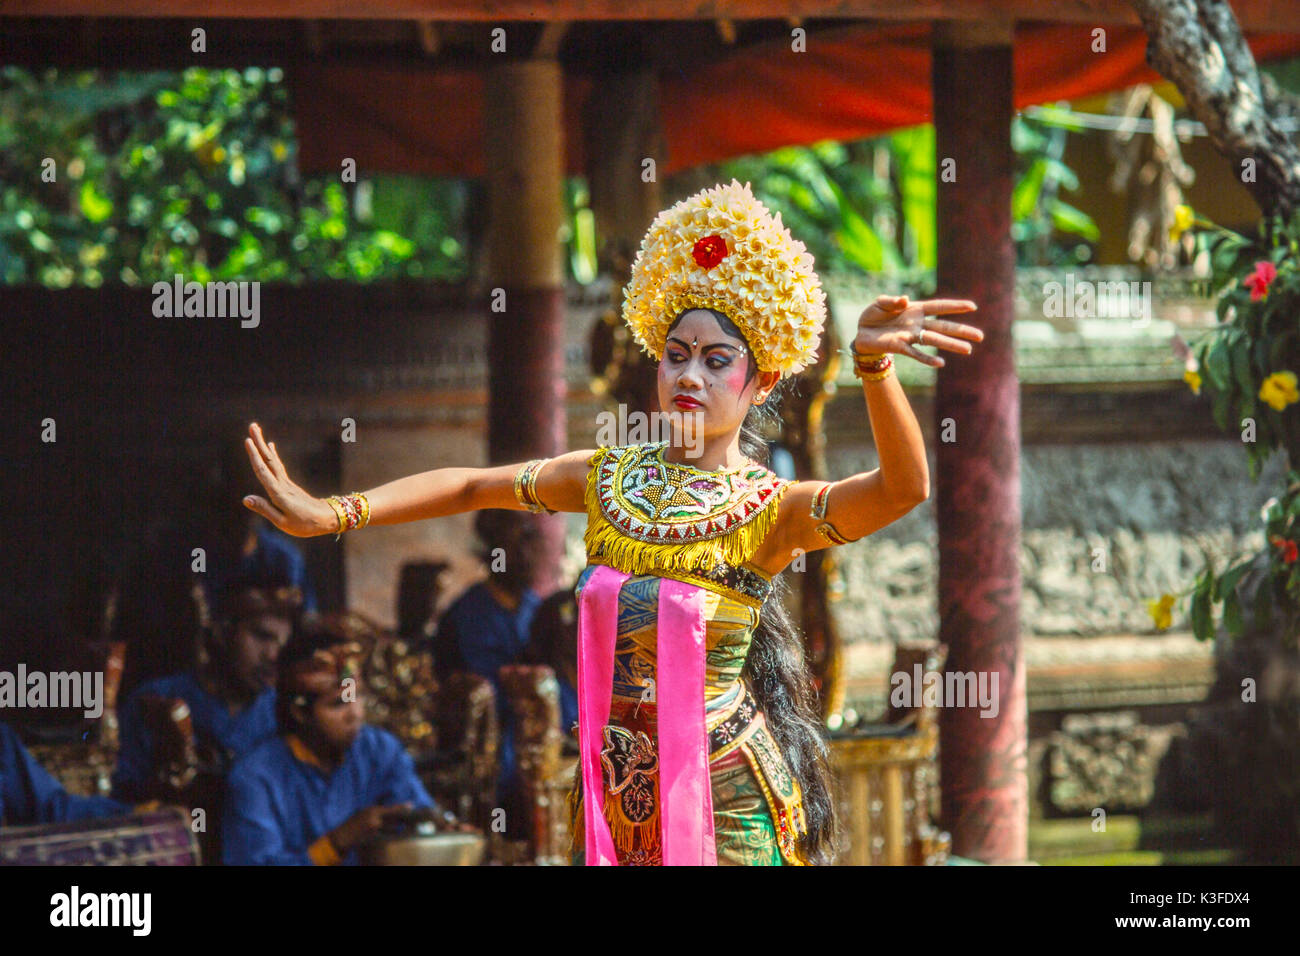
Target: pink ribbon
[
  {"x": 686, "y": 797},
  {"x": 686, "y": 813},
  {"x": 597, "y": 632}
]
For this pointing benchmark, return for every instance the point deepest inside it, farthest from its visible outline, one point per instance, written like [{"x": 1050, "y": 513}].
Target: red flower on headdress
[{"x": 709, "y": 251}]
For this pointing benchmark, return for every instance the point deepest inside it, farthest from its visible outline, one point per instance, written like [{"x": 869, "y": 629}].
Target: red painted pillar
[
  {"x": 524, "y": 151},
  {"x": 977, "y": 414}
]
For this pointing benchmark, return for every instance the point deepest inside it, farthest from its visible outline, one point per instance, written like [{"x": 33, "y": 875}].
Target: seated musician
[
  {"x": 554, "y": 642},
  {"x": 487, "y": 628},
  {"x": 227, "y": 704},
  {"x": 328, "y": 782},
  {"x": 29, "y": 794}
]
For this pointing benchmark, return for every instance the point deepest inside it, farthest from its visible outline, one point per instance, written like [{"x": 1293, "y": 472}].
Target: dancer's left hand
[{"x": 894, "y": 324}]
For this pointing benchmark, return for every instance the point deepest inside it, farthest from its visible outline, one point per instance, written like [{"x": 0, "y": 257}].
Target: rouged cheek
[{"x": 733, "y": 376}]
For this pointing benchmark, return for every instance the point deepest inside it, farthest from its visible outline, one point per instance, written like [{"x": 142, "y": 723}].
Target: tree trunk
[{"x": 1198, "y": 45}]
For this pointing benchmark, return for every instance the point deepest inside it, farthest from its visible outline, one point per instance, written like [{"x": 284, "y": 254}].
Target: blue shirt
[
  {"x": 215, "y": 727},
  {"x": 29, "y": 794},
  {"x": 277, "y": 806},
  {"x": 568, "y": 706},
  {"x": 488, "y": 637}
]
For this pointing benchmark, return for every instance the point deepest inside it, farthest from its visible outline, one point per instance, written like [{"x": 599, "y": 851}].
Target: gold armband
[
  {"x": 825, "y": 528},
  {"x": 526, "y": 486}
]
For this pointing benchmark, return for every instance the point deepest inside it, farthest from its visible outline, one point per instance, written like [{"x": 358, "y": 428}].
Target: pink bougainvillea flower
[
  {"x": 1258, "y": 281},
  {"x": 1290, "y": 552}
]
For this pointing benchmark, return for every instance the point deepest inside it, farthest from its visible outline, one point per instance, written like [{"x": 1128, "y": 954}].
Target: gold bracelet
[
  {"x": 353, "y": 511},
  {"x": 864, "y": 358},
  {"x": 874, "y": 371},
  {"x": 526, "y": 486},
  {"x": 875, "y": 376},
  {"x": 333, "y": 502}
]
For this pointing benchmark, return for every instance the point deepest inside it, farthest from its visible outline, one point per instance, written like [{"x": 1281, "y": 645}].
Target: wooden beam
[
  {"x": 1254, "y": 15},
  {"x": 1275, "y": 15}
]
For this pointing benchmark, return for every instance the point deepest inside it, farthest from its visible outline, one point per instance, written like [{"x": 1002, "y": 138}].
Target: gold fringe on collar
[{"x": 633, "y": 556}]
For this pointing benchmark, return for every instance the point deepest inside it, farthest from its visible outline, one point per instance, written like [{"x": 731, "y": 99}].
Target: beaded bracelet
[
  {"x": 353, "y": 511},
  {"x": 872, "y": 366}
]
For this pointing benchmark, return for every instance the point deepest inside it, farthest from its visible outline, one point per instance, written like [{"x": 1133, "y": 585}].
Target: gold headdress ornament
[
  {"x": 325, "y": 671},
  {"x": 721, "y": 249}
]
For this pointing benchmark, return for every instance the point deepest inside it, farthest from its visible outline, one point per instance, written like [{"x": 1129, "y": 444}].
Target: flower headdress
[{"x": 721, "y": 249}]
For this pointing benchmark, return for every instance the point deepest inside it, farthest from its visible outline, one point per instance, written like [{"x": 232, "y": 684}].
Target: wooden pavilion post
[
  {"x": 977, "y": 418},
  {"x": 621, "y": 124},
  {"x": 622, "y": 130},
  {"x": 524, "y": 160}
]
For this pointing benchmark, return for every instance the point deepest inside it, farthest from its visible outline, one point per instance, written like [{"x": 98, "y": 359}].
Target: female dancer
[{"x": 697, "y": 729}]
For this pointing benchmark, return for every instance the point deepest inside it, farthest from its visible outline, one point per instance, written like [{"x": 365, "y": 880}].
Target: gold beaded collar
[
  {"x": 657, "y": 501},
  {"x": 645, "y": 514}
]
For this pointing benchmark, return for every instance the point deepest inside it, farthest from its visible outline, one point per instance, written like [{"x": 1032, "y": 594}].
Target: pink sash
[{"x": 686, "y": 810}]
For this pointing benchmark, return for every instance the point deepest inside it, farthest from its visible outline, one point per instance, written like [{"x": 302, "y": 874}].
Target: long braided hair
[{"x": 776, "y": 669}]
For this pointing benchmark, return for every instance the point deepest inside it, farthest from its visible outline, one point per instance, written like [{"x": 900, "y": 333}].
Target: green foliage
[
  {"x": 832, "y": 197},
  {"x": 1038, "y": 213},
  {"x": 1248, "y": 365},
  {"x": 192, "y": 173},
  {"x": 1257, "y": 339}
]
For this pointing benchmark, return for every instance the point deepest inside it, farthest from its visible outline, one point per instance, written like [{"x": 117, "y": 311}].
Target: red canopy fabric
[{"x": 848, "y": 85}]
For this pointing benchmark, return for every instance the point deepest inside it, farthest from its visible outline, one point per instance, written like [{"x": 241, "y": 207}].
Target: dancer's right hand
[{"x": 289, "y": 508}]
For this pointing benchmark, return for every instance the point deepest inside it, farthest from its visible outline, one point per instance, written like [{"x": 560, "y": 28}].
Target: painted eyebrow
[{"x": 714, "y": 345}]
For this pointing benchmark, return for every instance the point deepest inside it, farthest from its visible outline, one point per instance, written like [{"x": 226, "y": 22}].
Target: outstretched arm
[
  {"x": 429, "y": 494},
  {"x": 864, "y": 503}
]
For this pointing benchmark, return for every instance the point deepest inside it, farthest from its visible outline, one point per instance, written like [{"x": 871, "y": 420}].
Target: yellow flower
[
  {"x": 1162, "y": 611},
  {"x": 1183, "y": 220},
  {"x": 1193, "y": 379},
  {"x": 1279, "y": 390},
  {"x": 279, "y": 150}
]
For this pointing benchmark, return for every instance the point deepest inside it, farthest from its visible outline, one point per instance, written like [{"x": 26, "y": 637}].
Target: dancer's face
[{"x": 705, "y": 363}]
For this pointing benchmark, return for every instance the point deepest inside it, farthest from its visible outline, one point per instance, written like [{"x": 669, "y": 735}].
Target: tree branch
[{"x": 1198, "y": 45}]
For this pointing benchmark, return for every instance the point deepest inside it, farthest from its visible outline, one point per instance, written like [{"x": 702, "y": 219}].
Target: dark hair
[
  {"x": 310, "y": 634},
  {"x": 254, "y": 590},
  {"x": 776, "y": 669},
  {"x": 492, "y": 525},
  {"x": 246, "y": 594}
]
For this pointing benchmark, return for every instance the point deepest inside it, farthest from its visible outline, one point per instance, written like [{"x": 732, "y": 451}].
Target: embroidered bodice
[
  {"x": 646, "y": 515},
  {"x": 669, "y": 551},
  {"x": 658, "y": 519}
]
